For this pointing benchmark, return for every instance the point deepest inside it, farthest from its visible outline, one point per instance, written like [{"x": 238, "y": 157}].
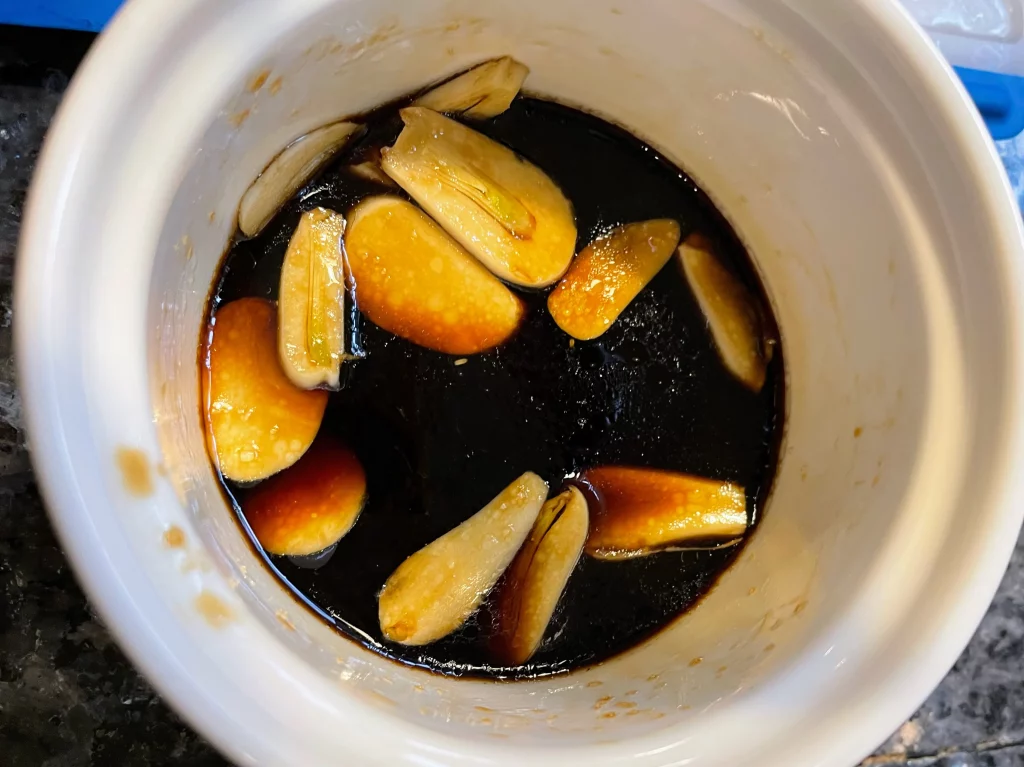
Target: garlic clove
[
  {"x": 258, "y": 421},
  {"x": 309, "y": 507},
  {"x": 643, "y": 511},
  {"x": 415, "y": 281},
  {"x": 370, "y": 171},
  {"x": 434, "y": 591},
  {"x": 608, "y": 274},
  {"x": 484, "y": 91},
  {"x": 538, "y": 575},
  {"x": 731, "y": 311},
  {"x": 311, "y": 301},
  {"x": 503, "y": 210},
  {"x": 287, "y": 172}
]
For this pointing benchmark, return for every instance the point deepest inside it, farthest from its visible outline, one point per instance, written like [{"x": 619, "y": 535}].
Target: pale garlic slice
[
  {"x": 287, "y": 172},
  {"x": 415, "y": 281},
  {"x": 434, "y": 591},
  {"x": 370, "y": 171},
  {"x": 484, "y": 91},
  {"x": 503, "y": 210},
  {"x": 311, "y": 301},
  {"x": 731, "y": 311},
  {"x": 368, "y": 168},
  {"x": 538, "y": 576},
  {"x": 643, "y": 511},
  {"x": 608, "y": 274}
]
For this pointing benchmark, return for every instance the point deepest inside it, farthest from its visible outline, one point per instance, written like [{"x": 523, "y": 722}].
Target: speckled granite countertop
[{"x": 68, "y": 696}]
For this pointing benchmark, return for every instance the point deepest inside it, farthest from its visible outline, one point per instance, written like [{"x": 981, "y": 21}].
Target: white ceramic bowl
[{"x": 849, "y": 159}]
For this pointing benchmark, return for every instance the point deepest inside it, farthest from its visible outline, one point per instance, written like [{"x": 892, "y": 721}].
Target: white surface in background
[
  {"x": 980, "y": 34},
  {"x": 984, "y": 19}
]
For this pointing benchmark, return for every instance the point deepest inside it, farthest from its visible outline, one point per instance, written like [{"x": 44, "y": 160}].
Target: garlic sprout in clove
[
  {"x": 731, "y": 311},
  {"x": 287, "y": 172},
  {"x": 415, "y": 281},
  {"x": 643, "y": 511},
  {"x": 484, "y": 91},
  {"x": 503, "y": 210},
  {"x": 538, "y": 576},
  {"x": 434, "y": 591},
  {"x": 311, "y": 301},
  {"x": 608, "y": 274}
]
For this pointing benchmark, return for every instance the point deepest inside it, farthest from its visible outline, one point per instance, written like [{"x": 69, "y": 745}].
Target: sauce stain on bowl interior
[{"x": 136, "y": 473}]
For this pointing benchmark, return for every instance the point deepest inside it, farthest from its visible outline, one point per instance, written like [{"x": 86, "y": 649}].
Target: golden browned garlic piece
[
  {"x": 608, "y": 274},
  {"x": 434, "y": 591},
  {"x": 288, "y": 172},
  {"x": 258, "y": 422},
  {"x": 538, "y": 576},
  {"x": 503, "y": 210},
  {"x": 311, "y": 301},
  {"x": 484, "y": 91},
  {"x": 642, "y": 511},
  {"x": 415, "y": 281},
  {"x": 310, "y": 506},
  {"x": 731, "y": 312}
]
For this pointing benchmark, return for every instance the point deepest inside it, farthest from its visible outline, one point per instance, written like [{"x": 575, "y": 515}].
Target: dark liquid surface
[{"x": 439, "y": 440}]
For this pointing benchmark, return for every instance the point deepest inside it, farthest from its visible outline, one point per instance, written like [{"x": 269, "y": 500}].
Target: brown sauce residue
[
  {"x": 257, "y": 82},
  {"x": 239, "y": 117},
  {"x": 282, "y": 618},
  {"x": 213, "y": 610},
  {"x": 275, "y": 86},
  {"x": 437, "y": 440},
  {"x": 174, "y": 537},
  {"x": 135, "y": 471}
]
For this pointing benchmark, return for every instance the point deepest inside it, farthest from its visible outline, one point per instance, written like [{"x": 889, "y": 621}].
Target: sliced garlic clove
[
  {"x": 415, "y": 281},
  {"x": 538, "y": 576},
  {"x": 433, "y": 592},
  {"x": 312, "y": 505},
  {"x": 370, "y": 171},
  {"x": 311, "y": 301},
  {"x": 258, "y": 422},
  {"x": 288, "y": 172},
  {"x": 731, "y": 311},
  {"x": 642, "y": 511},
  {"x": 484, "y": 91},
  {"x": 608, "y": 274},
  {"x": 500, "y": 208}
]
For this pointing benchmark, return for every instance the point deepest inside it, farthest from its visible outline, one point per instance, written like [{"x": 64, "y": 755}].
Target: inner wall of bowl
[{"x": 824, "y": 186}]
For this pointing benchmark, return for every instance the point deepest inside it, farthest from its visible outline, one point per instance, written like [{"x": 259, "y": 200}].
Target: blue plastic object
[
  {"x": 999, "y": 98},
  {"x": 88, "y": 15}
]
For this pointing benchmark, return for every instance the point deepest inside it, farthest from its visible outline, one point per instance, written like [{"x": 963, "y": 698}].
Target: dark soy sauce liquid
[{"x": 438, "y": 441}]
